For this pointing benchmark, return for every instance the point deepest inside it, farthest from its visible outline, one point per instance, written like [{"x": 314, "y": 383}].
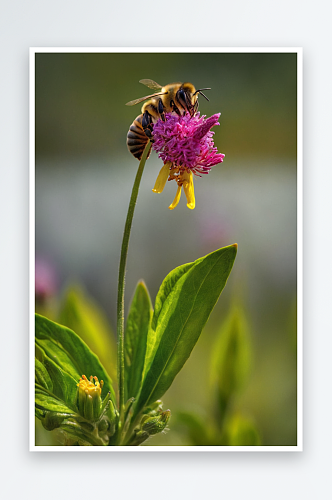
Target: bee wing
[
  {"x": 151, "y": 84},
  {"x": 141, "y": 99}
]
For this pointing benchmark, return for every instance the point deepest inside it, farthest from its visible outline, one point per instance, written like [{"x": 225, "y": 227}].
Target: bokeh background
[{"x": 84, "y": 176}]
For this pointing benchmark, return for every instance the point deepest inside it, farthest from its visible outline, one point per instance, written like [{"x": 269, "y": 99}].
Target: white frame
[{"x": 298, "y": 50}]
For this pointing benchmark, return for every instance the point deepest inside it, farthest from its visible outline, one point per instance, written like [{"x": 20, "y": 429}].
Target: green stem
[{"x": 121, "y": 282}]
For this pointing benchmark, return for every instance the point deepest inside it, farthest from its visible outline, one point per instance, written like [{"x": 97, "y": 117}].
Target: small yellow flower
[
  {"x": 89, "y": 397},
  {"x": 91, "y": 389}
]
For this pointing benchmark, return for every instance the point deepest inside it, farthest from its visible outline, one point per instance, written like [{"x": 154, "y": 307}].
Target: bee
[{"x": 176, "y": 98}]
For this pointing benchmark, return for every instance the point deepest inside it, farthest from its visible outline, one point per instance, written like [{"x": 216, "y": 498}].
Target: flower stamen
[{"x": 90, "y": 388}]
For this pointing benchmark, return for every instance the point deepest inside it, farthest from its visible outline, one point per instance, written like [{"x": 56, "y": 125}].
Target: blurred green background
[{"x": 84, "y": 176}]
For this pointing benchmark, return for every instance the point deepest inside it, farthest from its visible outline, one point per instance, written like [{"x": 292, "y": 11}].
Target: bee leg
[
  {"x": 147, "y": 125},
  {"x": 148, "y": 133},
  {"x": 161, "y": 110},
  {"x": 146, "y": 120},
  {"x": 174, "y": 108}
]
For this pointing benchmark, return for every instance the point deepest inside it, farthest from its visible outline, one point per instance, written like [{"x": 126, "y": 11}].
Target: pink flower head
[
  {"x": 185, "y": 145},
  {"x": 45, "y": 279}
]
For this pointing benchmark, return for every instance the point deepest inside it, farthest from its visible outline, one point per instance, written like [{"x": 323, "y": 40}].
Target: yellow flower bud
[{"x": 89, "y": 401}]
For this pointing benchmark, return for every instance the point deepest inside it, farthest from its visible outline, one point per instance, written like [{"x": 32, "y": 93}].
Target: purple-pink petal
[
  {"x": 205, "y": 127},
  {"x": 187, "y": 142}
]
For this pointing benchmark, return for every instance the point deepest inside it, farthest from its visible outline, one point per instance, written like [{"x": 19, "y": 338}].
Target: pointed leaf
[
  {"x": 196, "y": 427},
  {"x": 48, "y": 402},
  {"x": 136, "y": 332},
  {"x": 58, "y": 385},
  {"x": 69, "y": 354},
  {"x": 82, "y": 314},
  {"x": 182, "y": 315},
  {"x": 230, "y": 362},
  {"x": 167, "y": 287},
  {"x": 42, "y": 376},
  {"x": 242, "y": 431}
]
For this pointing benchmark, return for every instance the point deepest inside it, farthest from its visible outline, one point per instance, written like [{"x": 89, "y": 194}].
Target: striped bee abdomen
[{"x": 136, "y": 138}]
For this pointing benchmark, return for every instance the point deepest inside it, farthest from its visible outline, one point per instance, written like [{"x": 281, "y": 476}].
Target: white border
[
  {"x": 299, "y": 51},
  {"x": 300, "y": 249}
]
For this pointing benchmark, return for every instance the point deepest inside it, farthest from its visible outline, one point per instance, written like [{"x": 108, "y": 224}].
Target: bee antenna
[{"x": 200, "y": 91}]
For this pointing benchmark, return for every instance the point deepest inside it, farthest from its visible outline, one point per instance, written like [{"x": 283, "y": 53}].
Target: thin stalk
[{"x": 122, "y": 272}]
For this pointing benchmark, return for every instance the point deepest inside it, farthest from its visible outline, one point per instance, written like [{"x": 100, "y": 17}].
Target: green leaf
[
  {"x": 241, "y": 431},
  {"x": 231, "y": 356},
  {"x": 82, "y": 314},
  {"x": 198, "y": 429},
  {"x": 42, "y": 376},
  {"x": 57, "y": 387},
  {"x": 165, "y": 290},
  {"x": 136, "y": 332},
  {"x": 66, "y": 358},
  {"x": 50, "y": 403},
  {"x": 183, "y": 305}
]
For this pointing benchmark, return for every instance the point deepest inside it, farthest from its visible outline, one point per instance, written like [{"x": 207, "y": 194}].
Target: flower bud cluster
[
  {"x": 151, "y": 423},
  {"x": 91, "y": 406},
  {"x": 154, "y": 425},
  {"x": 93, "y": 422},
  {"x": 100, "y": 416}
]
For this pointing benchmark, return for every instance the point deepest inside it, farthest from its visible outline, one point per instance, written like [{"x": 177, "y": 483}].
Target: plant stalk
[{"x": 121, "y": 282}]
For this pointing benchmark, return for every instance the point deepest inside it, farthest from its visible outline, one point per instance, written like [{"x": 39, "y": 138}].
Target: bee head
[
  {"x": 187, "y": 97},
  {"x": 186, "y": 100}
]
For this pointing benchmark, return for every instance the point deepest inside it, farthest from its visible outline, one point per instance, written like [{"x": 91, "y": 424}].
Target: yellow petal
[
  {"x": 176, "y": 199},
  {"x": 162, "y": 178},
  {"x": 188, "y": 187}
]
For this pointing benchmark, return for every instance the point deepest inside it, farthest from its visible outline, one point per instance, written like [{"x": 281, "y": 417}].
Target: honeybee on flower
[{"x": 178, "y": 133}]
